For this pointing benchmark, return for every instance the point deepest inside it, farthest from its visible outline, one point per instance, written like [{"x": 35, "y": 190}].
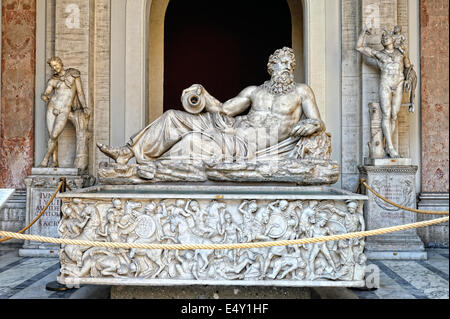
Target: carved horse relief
[{"x": 185, "y": 235}]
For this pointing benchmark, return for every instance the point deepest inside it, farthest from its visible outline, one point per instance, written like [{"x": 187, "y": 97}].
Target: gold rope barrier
[
  {"x": 60, "y": 185},
  {"x": 63, "y": 184},
  {"x": 363, "y": 181},
  {"x": 226, "y": 246}
]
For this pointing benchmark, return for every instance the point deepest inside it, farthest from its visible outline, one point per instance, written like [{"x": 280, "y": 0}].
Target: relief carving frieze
[{"x": 205, "y": 221}]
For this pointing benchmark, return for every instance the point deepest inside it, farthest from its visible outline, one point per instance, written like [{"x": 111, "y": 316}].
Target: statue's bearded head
[{"x": 281, "y": 68}]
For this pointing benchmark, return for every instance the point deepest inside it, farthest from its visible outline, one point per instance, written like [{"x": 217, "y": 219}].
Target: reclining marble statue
[
  {"x": 397, "y": 77},
  {"x": 282, "y": 128}
]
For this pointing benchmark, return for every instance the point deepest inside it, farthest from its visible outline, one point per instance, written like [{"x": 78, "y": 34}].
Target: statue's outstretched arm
[
  {"x": 212, "y": 104},
  {"x": 46, "y": 95},
  {"x": 240, "y": 103}
]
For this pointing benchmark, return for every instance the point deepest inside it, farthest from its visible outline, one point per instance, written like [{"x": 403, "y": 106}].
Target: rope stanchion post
[
  {"x": 64, "y": 181},
  {"x": 54, "y": 285},
  {"x": 66, "y": 185}
]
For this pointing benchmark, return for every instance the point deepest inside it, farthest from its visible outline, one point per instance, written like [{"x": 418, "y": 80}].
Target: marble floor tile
[
  {"x": 432, "y": 285},
  {"x": 439, "y": 261},
  {"x": 37, "y": 289},
  {"x": 8, "y": 257},
  {"x": 390, "y": 289},
  {"x": 25, "y": 270}
]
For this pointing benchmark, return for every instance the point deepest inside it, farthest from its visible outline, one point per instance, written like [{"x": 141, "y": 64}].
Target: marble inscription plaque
[{"x": 47, "y": 225}]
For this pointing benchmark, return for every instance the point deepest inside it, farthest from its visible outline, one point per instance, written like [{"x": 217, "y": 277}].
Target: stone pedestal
[
  {"x": 396, "y": 183},
  {"x": 41, "y": 185},
  {"x": 436, "y": 235}
]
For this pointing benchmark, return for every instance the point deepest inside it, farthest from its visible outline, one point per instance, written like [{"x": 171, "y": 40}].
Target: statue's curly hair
[
  {"x": 385, "y": 37},
  {"x": 55, "y": 59},
  {"x": 279, "y": 53}
]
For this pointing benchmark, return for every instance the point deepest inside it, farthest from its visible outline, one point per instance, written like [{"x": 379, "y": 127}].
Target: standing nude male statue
[
  {"x": 276, "y": 110},
  {"x": 392, "y": 62},
  {"x": 66, "y": 103}
]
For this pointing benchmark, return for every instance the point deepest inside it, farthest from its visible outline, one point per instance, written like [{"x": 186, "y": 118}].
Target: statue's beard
[{"x": 281, "y": 83}]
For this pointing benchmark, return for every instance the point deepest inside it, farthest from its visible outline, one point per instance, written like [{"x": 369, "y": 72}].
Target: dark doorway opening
[{"x": 223, "y": 45}]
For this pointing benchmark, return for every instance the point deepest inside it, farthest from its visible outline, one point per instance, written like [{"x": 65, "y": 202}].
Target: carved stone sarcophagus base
[{"x": 202, "y": 214}]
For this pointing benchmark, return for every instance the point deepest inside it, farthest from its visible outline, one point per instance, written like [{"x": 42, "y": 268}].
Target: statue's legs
[
  {"x": 386, "y": 99},
  {"x": 312, "y": 258},
  {"x": 58, "y": 126},
  {"x": 158, "y": 137},
  {"x": 327, "y": 255},
  {"x": 397, "y": 98},
  {"x": 51, "y": 120},
  {"x": 55, "y": 156},
  {"x": 165, "y": 132}
]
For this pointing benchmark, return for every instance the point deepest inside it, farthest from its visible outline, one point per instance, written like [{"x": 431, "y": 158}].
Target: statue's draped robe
[{"x": 205, "y": 136}]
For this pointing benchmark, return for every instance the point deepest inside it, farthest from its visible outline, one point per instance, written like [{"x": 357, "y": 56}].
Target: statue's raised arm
[{"x": 360, "y": 46}]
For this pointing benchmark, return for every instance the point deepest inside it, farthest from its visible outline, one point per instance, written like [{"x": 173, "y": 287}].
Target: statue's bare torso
[
  {"x": 274, "y": 115},
  {"x": 63, "y": 96},
  {"x": 391, "y": 66}
]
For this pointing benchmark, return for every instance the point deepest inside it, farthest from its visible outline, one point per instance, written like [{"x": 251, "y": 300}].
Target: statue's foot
[
  {"x": 392, "y": 153},
  {"x": 44, "y": 163},
  {"x": 120, "y": 154},
  {"x": 54, "y": 165}
]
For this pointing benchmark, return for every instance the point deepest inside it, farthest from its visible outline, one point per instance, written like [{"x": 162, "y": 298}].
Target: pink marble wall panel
[
  {"x": 435, "y": 95},
  {"x": 18, "y": 73}
]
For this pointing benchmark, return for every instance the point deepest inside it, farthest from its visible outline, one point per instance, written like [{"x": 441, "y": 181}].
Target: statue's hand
[
  {"x": 306, "y": 128},
  {"x": 411, "y": 109},
  {"x": 45, "y": 98},
  {"x": 367, "y": 30},
  {"x": 197, "y": 88},
  {"x": 87, "y": 111},
  {"x": 407, "y": 86}
]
